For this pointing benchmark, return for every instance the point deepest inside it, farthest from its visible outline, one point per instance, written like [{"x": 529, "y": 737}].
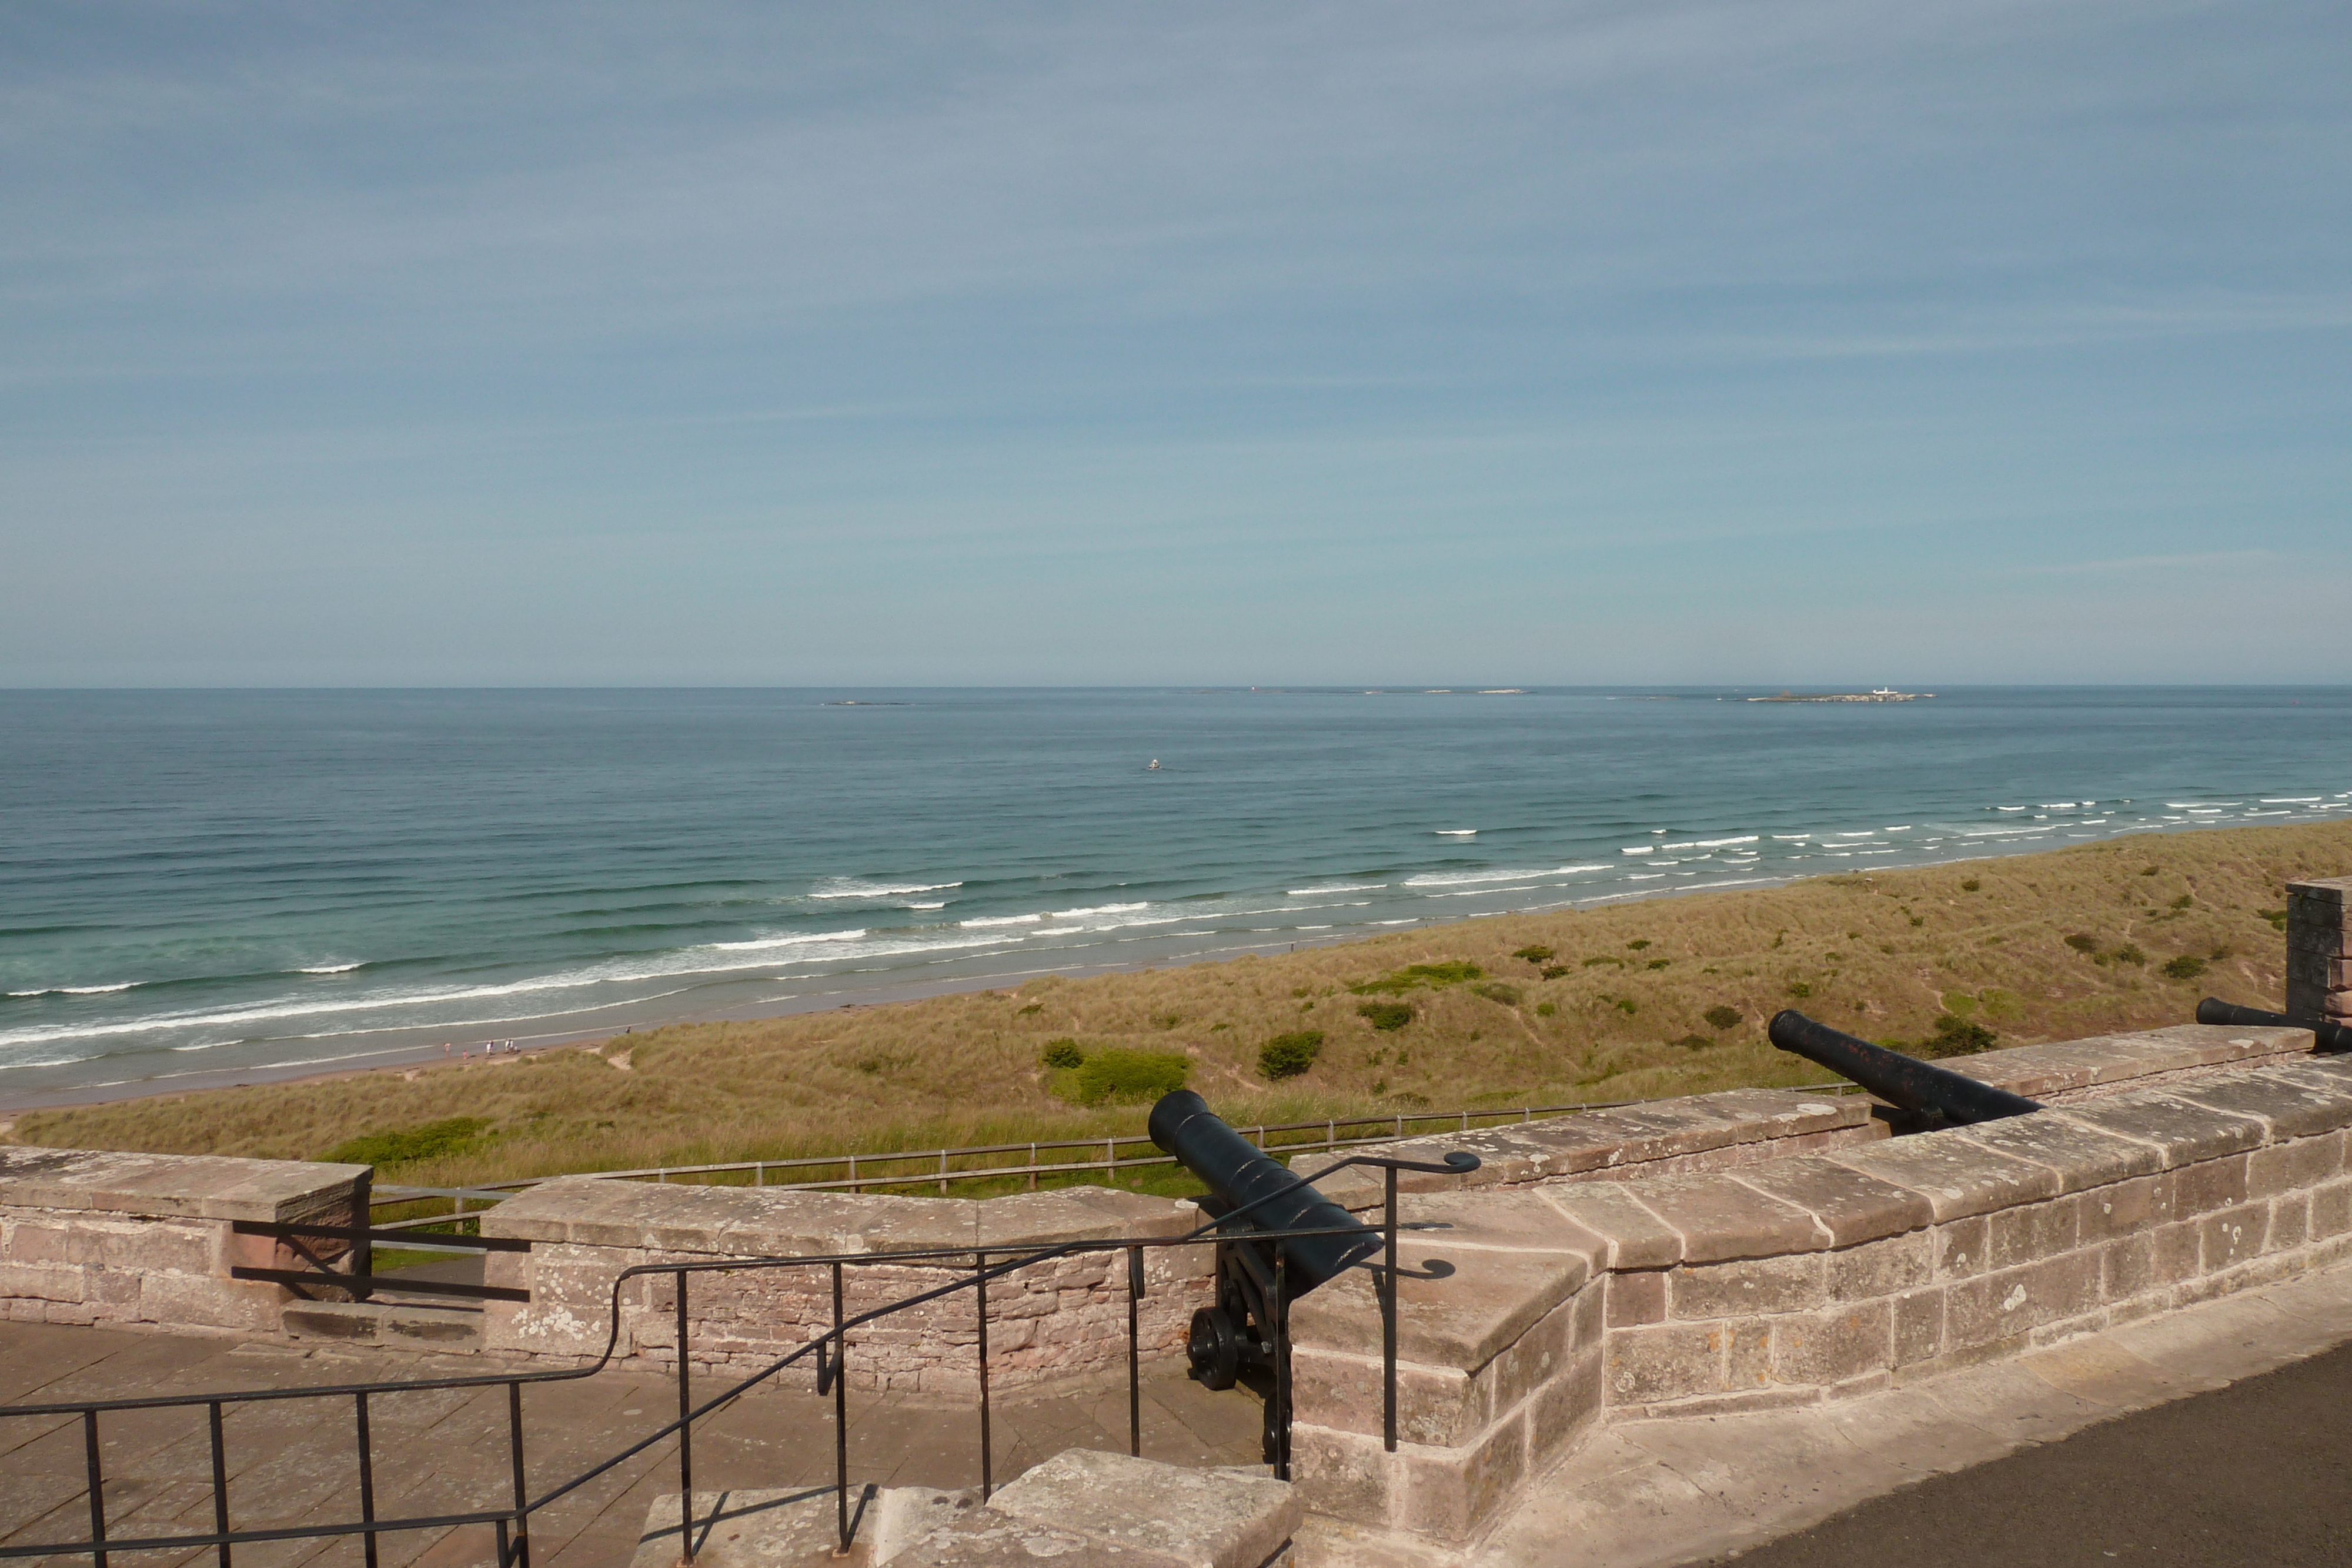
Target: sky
[{"x": 1756, "y": 343}]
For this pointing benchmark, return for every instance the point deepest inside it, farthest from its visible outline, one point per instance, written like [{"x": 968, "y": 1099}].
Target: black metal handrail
[{"x": 513, "y": 1523}]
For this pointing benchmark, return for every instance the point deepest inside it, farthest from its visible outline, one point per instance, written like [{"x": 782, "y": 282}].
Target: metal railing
[
  {"x": 922, "y": 1167},
  {"x": 829, "y": 1351}
]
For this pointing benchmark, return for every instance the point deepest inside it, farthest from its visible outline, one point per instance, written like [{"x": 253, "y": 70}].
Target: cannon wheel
[{"x": 1215, "y": 1348}]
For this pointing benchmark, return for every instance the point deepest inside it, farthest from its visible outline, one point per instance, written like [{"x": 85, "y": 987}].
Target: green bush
[
  {"x": 1128, "y": 1077},
  {"x": 1533, "y": 954},
  {"x": 1722, "y": 1016},
  {"x": 1496, "y": 992},
  {"x": 1799, "y": 989},
  {"x": 1385, "y": 1015},
  {"x": 1063, "y": 1053},
  {"x": 1289, "y": 1055},
  {"x": 2128, "y": 953},
  {"x": 433, "y": 1141},
  {"x": 1971, "y": 885},
  {"x": 1554, "y": 971},
  {"x": 1660, "y": 963},
  {"x": 2083, "y": 943},
  {"x": 1694, "y": 1042},
  {"x": 2185, "y": 968},
  {"x": 1545, "y": 1009},
  {"x": 1956, "y": 1037},
  {"x": 1638, "y": 943}
]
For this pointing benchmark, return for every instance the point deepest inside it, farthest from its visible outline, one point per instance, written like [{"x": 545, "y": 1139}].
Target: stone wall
[
  {"x": 1060, "y": 1317},
  {"x": 1531, "y": 1314},
  {"x": 145, "y": 1241},
  {"x": 2319, "y": 948}
]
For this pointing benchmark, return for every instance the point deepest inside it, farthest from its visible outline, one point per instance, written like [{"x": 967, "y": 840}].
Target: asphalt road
[{"x": 2259, "y": 1473}]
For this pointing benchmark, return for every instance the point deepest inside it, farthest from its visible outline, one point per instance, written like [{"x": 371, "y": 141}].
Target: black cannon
[
  {"x": 1936, "y": 1096},
  {"x": 1256, "y": 1279},
  {"x": 2328, "y": 1034}
]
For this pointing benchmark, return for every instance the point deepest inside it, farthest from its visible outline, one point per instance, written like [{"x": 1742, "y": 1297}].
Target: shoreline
[{"x": 409, "y": 1061}]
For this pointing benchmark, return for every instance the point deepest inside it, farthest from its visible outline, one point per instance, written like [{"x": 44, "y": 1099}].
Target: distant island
[{"x": 1882, "y": 695}]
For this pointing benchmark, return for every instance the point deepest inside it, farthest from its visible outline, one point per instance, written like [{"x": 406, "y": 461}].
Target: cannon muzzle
[
  {"x": 2326, "y": 1033},
  {"x": 1240, "y": 1175},
  {"x": 1899, "y": 1079}
]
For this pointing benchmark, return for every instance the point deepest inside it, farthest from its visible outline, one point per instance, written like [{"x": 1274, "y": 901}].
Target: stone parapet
[
  {"x": 131, "y": 1241},
  {"x": 2075, "y": 1069},
  {"x": 1060, "y": 1316},
  {"x": 1525, "y": 1317}
]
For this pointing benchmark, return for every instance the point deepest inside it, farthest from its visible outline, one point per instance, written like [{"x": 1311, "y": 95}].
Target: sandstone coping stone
[
  {"x": 1717, "y": 1219},
  {"x": 2184, "y": 1133},
  {"x": 2078, "y": 1156},
  {"x": 1637, "y": 1238},
  {"x": 1851, "y": 1205},
  {"x": 1511, "y": 1257},
  {"x": 1958, "y": 1177},
  {"x": 176, "y": 1186},
  {"x": 2035, "y": 1070},
  {"x": 753, "y": 1222},
  {"x": 1607, "y": 1140},
  {"x": 2291, "y": 1107},
  {"x": 1203, "y": 1519}
]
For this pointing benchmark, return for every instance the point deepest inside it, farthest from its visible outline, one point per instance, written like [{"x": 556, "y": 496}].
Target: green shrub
[
  {"x": 1638, "y": 943},
  {"x": 1289, "y": 1055},
  {"x": 1413, "y": 977},
  {"x": 1722, "y": 1016},
  {"x": 2083, "y": 943},
  {"x": 2185, "y": 968},
  {"x": 1496, "y": 992},
  {"x": 2128, "y": 953},
  {"x": 1625, "y": 1005},
  {"x": 2277, "y": 917},
  {"x": 1660, "y": 963},
  {"x": 433, "y": 1141},
  {"x": 1032, "y": 1008},
  {"x": 1128, "y": 1077},
  {"x": 1385, "y": 1015},
  {"x": 1956, "y": 1037},
  {"x": 1971, "y": 885},
  {"x": 2184, "y": 902},
  {"x": 1799, "y": 989},
  {"x": 1694, "y": 1042},
  {"x": 1545, "y": 1009},
  {"x": 1533, "y": 954},
  {"x": 1554, "y": 971},
  {"x": 1063, "y": 1053}
]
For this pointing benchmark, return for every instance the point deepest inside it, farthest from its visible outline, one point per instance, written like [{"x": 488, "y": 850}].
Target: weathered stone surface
[
  {"x": 2077, "y": 1155},
  {"x": 1203, "y": 1519},
  {"x": 1748, "y": 1286},
  {"x": 790, "y": 1528},
  {"x": 2039, "y": 1072},
  {"x": 1850, "y": 1204},
  {"x": 383, "y": 1323},
  {"x": 1716, "y": 1219},
  {"x": 1957, "y": 1177},
  {"x": 2184, "y": 1133},
  {"x": 1636, "y": 1237},
  {"x": 2289, "y": 1107},
  {"x": 198, "y": 1187}
]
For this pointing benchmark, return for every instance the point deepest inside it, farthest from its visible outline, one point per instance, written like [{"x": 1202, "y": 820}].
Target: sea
[{"x": 210, "y": 887}]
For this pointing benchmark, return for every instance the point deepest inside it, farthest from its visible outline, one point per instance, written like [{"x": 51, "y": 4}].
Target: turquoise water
[{"x": 199, "y": 887}]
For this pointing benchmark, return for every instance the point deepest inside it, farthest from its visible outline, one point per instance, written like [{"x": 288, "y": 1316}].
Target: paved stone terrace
[{"x": 435, "y": 1452}]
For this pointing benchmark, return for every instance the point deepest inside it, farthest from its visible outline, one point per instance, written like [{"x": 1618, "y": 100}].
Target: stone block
[
  {"x": 2201, "y": 1188},
  {"x": 1851, "y": 1205},
  {"x": 2079, "y": 1157},
  {"x": 2183, "y": 1133},
  {"x": 189, "y": 1302},
  {"x": 2034, "y": 1230},
  {"x": 2297, "y": 1166},
  {"x": 1918, "y": 1326},
  {"x": 1561, "y": 1409},
  {"x": 1748, "y": 1287},
  {"x": 2331, "y": 1209},
  {"x": 2011, "y": 1301},
  {"x": 1833, "y": 1345},
  {"x": 2318, "y": 971},
  {"x": 1959, "y": 1249},
  {"x": 2289, "y": 1107},
  {"x": 1201, "y": 1518},
  {"x": 1637, "y": 1297},
  {"x": 1958, "y": 1177},
  {"x": 1748, "y": 1354},
  {"x": 1636, "y": 1237},
  {"x": 1880, "y": 1268},
  {"x": 192, "y": 1186},
  {"x": 1664, "y": 1362},
  {"x": 2127, "y": 1268},
  {"x": 2125, "y": 1208},
  {"x": 2290, "y": 1223},
  {"x": 2233, "y": 1235},
  {"x": 2179, "y": 1252},
  {"x": 1717, "y": 1219}
]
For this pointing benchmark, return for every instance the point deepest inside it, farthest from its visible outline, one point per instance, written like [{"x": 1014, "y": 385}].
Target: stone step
[
  {"x": 1078, "y": 1510},
  {"x": 383, "y": 1323}
]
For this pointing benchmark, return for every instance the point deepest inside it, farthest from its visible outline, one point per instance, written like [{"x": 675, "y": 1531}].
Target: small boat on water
[{"x": 1152, "y": 766}]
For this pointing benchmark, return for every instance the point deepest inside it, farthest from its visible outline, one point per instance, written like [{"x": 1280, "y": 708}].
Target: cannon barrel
[
  {"x": 1240, "y": 1175},
  {"x": 1899, "y": 1079},
  {"x": 2328, "y": 1034}
]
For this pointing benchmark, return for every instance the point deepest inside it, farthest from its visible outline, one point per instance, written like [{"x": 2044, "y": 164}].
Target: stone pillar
[{"x": 2319, "y": 948}]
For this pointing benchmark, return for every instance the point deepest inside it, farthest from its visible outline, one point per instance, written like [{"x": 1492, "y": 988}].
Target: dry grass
[{"x": 1882, "y": 954}]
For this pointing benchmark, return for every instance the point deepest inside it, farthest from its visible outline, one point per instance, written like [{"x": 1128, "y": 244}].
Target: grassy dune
[{"x": 2034, "y": 947}]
